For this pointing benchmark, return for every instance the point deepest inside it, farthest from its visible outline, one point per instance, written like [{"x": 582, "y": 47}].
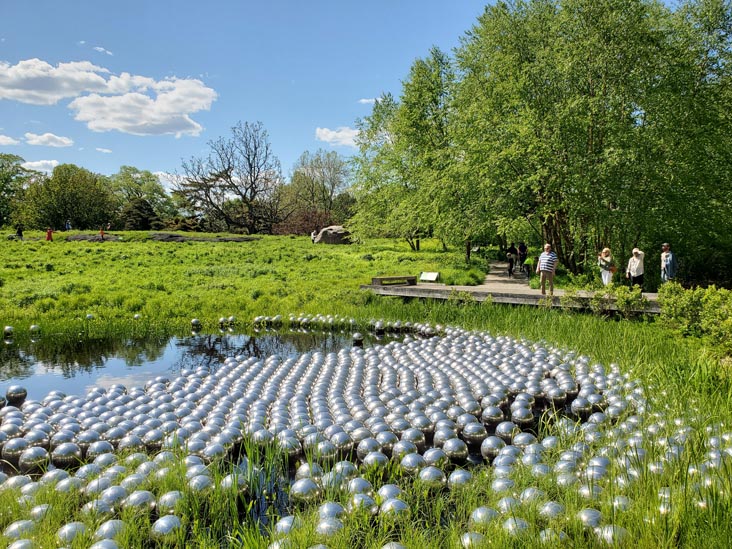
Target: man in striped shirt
[{"x": 546, "y": 268}]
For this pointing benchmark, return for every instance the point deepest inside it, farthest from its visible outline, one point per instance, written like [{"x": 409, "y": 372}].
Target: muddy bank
[
  {"x": 92, "y": 237},
  {"x": 177, "y": 237},
  {"x": 162, "y": 237}
]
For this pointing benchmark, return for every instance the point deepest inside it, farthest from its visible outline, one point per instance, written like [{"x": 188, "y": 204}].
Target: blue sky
[{"x": 148, "y": 83}]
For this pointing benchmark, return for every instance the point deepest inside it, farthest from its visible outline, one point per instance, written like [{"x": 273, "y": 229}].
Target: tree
[
  {"x": 551, "y": 103},
  {"x": 388, "y": 200},
  {"x": 131, "y": 184},
  {"x": 139, "y": 215},
  {"x": 13, "y": 177},
  {"x": 317, "y": 181},
  {"x": 71, "y": 193},
  {"x": 241, "y": 171}
]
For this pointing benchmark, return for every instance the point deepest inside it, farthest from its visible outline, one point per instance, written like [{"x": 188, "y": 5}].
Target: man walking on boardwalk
[{"x": 545, "y": 269}]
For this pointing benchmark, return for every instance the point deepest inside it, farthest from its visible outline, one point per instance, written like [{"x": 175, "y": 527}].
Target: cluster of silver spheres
[
  {"x": 9, "y": 333},
  {"x": 341, "y": 323},
  {"x": 433, "y": 407}
]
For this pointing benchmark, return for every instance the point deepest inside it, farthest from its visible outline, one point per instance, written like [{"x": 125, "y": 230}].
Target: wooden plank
[
  {"x": 410, "y": 280},
  {"x": 508, "y": 298}
]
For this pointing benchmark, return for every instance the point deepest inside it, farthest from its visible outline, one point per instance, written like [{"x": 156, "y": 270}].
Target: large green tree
[
  {"x": 131, "y": 183},
  {"x": 13, "y": 178},
  {"x": 593, "y": 122},
  {"x": 550, "y": 106},
  {"x": 404, "y": 155},
  {"x": 388, "y": 200},
  {"x": 70, "y": 193}
]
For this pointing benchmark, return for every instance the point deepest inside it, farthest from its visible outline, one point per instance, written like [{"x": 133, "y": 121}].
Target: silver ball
[
  {"x": 168, "y": 527},
  {"x": 69, "y": 532},
  {"x": 482, "y": 516}
]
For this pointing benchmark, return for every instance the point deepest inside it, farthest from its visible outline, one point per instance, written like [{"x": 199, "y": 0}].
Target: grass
[
  {"x": 169, "y": 283},
  {"x": 57, "y": 284}
]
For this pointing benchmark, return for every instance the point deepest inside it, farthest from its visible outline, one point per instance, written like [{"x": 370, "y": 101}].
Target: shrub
[
  {"x": 699, "y": 312},
  {"x": 629, "y": 301}
]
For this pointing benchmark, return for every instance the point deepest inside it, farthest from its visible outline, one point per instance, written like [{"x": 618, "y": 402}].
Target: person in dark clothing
[
  {"x": 19, "y": 232},
  {"x": 512, "y": 256},
  {"x": 523, "y": 254}
]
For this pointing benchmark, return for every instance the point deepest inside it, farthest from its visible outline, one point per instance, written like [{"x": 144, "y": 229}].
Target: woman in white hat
[
  {"x": 635, "y": 268},
  {"x": 607, "y": 266}
]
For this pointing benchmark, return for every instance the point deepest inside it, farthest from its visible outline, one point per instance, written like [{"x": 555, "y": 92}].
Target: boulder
[{"x": 335, "y": 234}]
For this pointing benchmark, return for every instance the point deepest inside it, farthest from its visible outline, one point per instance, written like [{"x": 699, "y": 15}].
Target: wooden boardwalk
[{"x": 499, "y": 288}]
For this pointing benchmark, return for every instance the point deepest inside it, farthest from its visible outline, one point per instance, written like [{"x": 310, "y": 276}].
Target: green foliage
[
  {"x": 583, "y": 123},
  {"x": 131, "y": 184},
  {"x": 699, "y": 312},
  {"x": 629, "y": 300},
  {"x": 71, "y": 193},
  {"x": 12, "y": 179},
  {"x": 171, "y": 282},
  {"x": 139, "y": 215},
  {"x": 316, "y": 195}
]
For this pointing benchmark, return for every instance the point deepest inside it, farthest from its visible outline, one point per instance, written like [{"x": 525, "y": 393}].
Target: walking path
[{"x": 497, "y": 288}]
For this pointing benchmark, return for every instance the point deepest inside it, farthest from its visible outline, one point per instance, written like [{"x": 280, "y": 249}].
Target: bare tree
[{"x": 237, "y": 181}]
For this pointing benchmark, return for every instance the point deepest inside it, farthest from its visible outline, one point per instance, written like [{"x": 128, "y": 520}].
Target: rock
[{"x": 335, "y": 234}]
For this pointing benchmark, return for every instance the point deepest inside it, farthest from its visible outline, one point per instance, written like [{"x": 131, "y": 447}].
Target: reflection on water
[{"x": 75, "y": 367}]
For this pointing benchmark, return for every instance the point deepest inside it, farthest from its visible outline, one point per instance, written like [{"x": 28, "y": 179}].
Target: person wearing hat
[
  {"x": 607, "y": 266},
  {"x": 634, "y": 271},
  {"x": 668, "y": 263}
]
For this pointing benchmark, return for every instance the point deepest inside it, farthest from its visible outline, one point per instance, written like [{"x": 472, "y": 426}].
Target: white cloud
[
  {"x": 103, "y": 150},
  {"x": 343, "y": 136},
  {"x": 126, "y": 103},
  {"x": 41, "y": 165},
  {"x": 100, "y": 49},
  {"x": 139, "y": 114},
  {"x": 48, "y": 140},
  {"x": 39, "y": 83},
  {"x": 7, "y": 140},
  {"x": 369, "y": 101}
]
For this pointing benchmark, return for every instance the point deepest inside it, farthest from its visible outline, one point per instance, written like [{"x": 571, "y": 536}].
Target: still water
[{"x": 40, "y": 368}]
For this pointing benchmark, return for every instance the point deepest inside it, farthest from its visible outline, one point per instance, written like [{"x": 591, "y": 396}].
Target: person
[
  {"x": 607, "y": 266},
  {"x": 512, "y": 256},
  {"x": 101, "y": 232},
  {"x": 635, "y": 269},
  {"x": 523, "y": 253},
  {"x": 668, "y": 263},
  {"x": 49, "y": 234},
  {"x": 68, "y": 225},
  {"x": 19, "y": 231},
  {"x": 546, "y": 268}
]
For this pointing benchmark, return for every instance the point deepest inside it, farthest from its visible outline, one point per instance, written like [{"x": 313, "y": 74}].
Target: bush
[
  {"x": 699, "y": 312},
  {"x": 629, "y": 300}
]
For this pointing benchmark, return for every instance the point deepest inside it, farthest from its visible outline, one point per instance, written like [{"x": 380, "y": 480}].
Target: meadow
[
  {"x": 57, "y": 284},
  {"x": 685, "y": 502}
]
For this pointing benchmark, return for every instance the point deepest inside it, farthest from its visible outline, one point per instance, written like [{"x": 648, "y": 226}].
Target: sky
[{"x": 148, "y": 83}]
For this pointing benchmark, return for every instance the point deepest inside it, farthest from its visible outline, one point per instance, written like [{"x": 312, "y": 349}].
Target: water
[{"x": 40, "y": 368}]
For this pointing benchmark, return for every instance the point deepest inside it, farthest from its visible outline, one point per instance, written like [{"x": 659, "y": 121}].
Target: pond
[{"x": 42, "y": 367}]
